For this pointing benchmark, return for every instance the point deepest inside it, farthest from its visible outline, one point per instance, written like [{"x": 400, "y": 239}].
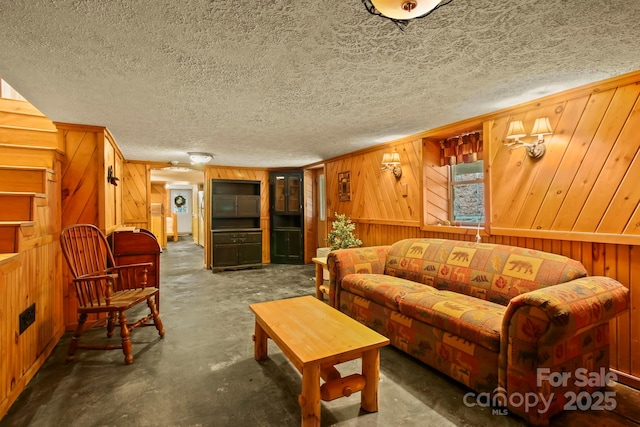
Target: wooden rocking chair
[{"x": 103, "y": 288}]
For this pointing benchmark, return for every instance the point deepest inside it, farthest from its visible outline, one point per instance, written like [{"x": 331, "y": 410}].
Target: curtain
[{"x": 465, "y": 148}]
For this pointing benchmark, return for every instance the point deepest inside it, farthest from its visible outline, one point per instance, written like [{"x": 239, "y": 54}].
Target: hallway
[{"x": 203, "y": 372}]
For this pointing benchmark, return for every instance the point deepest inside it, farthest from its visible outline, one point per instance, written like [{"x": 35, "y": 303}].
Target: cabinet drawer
[
  {"x": 255, "y": 237},
  {"x": 237, "y": 237}
]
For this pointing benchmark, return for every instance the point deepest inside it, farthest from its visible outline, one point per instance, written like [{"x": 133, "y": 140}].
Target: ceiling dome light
[
  {"x": 404, "y": 9},
  {"x": 400, "y": 12},
  {"x": 200, "y": 158}
]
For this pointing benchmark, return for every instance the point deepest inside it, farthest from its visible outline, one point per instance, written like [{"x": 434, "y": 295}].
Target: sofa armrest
[
  {"x": 341, "y": 262},
  {"x": 560, "y": 328}
]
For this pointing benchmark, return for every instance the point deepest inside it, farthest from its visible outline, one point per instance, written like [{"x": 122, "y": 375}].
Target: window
[{"x": 466, "y": 189}]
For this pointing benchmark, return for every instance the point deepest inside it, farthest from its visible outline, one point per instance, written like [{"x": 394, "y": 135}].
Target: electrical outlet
[{"x": 27, "y": 317}]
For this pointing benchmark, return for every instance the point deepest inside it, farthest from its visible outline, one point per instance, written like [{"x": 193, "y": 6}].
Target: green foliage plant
[{"x": 341, "y": 235}]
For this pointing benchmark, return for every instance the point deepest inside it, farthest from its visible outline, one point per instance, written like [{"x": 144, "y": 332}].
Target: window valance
[{"x": 465, "y": 148}]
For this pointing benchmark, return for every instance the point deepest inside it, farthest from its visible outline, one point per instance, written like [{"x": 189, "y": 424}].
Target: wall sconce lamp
[
  {"x": 391, "y": 162},
  {"x": 541, "y": 127},
  {"x": 200, "y": 158}
]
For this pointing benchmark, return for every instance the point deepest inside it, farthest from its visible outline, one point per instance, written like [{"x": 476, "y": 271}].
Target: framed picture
[{"x": 344, "y": 186}]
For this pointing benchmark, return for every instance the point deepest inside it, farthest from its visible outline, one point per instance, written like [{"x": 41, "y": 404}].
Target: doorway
[{"x": 177, "y": 200}]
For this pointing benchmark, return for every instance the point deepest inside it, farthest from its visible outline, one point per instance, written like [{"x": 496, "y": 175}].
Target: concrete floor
[{"x": 203, "y": 372}]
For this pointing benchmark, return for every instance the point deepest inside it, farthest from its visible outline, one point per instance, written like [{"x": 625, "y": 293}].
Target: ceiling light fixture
[
  {"x": 200, "y": 158},
  {"x": 401, "y": 11}
]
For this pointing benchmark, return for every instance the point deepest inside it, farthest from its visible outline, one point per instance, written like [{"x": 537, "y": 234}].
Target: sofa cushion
[
  {"x": 473, "y": 319},
  {"x": 383, "y": 289},
  {"x": 491, "y": 272}
]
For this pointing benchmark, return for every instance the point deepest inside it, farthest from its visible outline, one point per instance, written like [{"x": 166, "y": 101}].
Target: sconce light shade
[
  {"x": 404, "y": 9},
  {"x": 516, "y": 131},
  {"x": 200, "y": 158},
  {"x": 391, "y": 161},
  {"x": 541, "y": 127},
  {"x": 395, "y": 159}
]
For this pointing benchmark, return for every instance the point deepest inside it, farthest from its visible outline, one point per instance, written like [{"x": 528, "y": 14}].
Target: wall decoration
[
  {"x": 344, "y": 186},
  {"x": 180, "y": 202}
]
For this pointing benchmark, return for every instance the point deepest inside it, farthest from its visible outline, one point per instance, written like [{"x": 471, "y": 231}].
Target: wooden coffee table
[{"x": 315, "y": 338}]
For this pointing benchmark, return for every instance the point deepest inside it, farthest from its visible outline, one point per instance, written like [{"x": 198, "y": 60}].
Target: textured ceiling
[{"x": 282, "y": 83}]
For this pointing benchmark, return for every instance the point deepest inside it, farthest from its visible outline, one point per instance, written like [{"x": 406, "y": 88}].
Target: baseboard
[{"x": 627, "y": 379}]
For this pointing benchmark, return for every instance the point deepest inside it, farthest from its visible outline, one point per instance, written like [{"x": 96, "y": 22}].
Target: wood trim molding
[
  {"x": 627, "y": 379},
  {"x": 405, "y": 223},
  {"x": 567, "y": 235}
]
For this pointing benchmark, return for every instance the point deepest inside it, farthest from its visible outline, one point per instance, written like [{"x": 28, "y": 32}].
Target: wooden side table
[{"x": 321, "y": 288}]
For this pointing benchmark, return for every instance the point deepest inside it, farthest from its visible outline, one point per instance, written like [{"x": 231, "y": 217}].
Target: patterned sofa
[{"x": 501, "y": 320}]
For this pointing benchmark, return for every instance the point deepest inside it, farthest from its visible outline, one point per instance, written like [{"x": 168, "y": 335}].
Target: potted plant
[{"x": 341, "y": 235}]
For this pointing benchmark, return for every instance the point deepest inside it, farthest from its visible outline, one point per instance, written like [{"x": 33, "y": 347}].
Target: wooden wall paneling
[
  {"x": 609, "y": 261},
  {"x": 609, "y": 179},
  {"x": 265, "y": 225},
  {"x": 106, "y": 191},
  {"x": 436, "y": 186},
  {"x": 363, "y": 173},
  {"x": 310, "y": 232},
  {"x": 594, "y": 159},
  {"x": 135, "y": 204},
  {"x": 620, "y": 257},
  {"x": 117, "y": 202},
  {"x": 35, "y": 279},
  {"x": 622, "y": 213},
  {"x": 410, "y": 200},
  {"x": 80, "y": 178},
  {"x": 507, "y": 171},
  {"x": 87, "y": 197},
  {"x": 563, "y": 119},
  {"x": 110, "y": 201},
  {"x": 10, "y": 366},
  {"x": 578, "y": 144},
  {"x": 524, "y": 182},
  {"x": 377, "y": 195},
  {"x": 32, "y": 275},
  {"x": 634, "y": 312},
  {"x": 386, "y": 207},
  {"x": 158, "y": 212},
  {"x": 488, "y": 148},
  {"x": 320, "y": 225}
]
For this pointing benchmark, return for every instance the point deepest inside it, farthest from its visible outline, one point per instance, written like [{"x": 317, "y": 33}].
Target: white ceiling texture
[{"x": 282, "y": 83}]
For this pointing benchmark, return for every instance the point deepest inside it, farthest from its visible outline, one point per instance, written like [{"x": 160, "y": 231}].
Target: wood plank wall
[
  {"x": 87, "y": 197},
  {"x": 34, "y": 275},
  {"x": 310, "y": 230},
  {"x": 376, "y": 195},
  {"x": 581, "y": 199},
  {"x": 247, "y": 174},
  {"x": 587, "y": 182},
  {"x": 158, "y": 217},
  {"x": 135, "y": 197}
]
